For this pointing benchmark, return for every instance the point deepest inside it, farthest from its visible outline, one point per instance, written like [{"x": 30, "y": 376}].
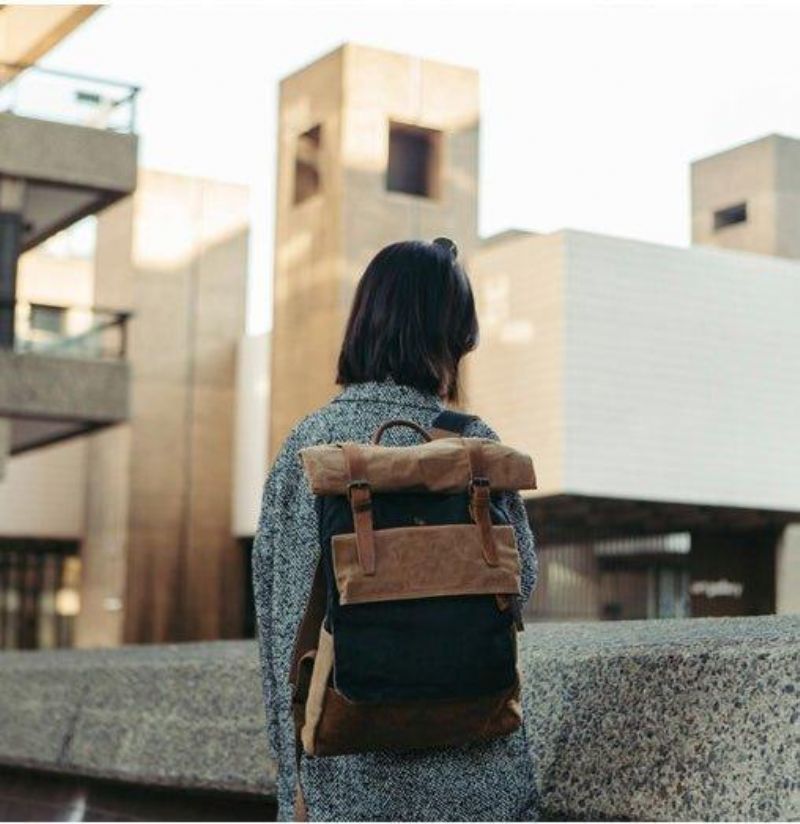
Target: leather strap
[
  {"x": 300, "y": 809},
  {"x": 305, "y": 646},
  {"x": 450, "y": 421},
  {"x": 360, "y": 497},
  {"x": 308, "y": 632},
  {"x": 479, "y": 493},
  {"x": 447, "y": 423},
  {"x": 376, "y": 438}
]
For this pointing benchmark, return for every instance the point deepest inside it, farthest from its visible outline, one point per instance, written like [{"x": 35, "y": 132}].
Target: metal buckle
[
  {"x": 482, "y": 483},
  {"x": 358, "y": 485},
  {"x": 475, "y": 497}
]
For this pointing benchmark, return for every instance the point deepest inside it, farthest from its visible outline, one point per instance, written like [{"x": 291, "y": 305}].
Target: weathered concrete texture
[
  {"x": 68, "y": 154},
  {"x": 5, "y": 441},
  {"x": 637, "y": 720},
  {"x": 186, "y": 715},
  {"x": 35, "y": 385},
  {"x": 674, "y": 720},
  {"x": 70, "y": 171}
]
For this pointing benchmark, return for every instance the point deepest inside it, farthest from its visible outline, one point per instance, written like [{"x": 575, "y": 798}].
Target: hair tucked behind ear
[{"x": 412, "y": 319}]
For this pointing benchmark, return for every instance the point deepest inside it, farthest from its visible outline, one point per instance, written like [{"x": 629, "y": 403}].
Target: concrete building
[
  {"x": 372, "y": 146},
  {"x": 123, "y": 534},
  {"x": 145, "y": 507},
  {"x": 651, "y": 383},
  {"x": 55, "y": 170},
  {"x": 62, "y": 358},
  {"x": 654, "y": 385}
]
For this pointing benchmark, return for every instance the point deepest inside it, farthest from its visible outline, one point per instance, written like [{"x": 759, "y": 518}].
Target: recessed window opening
[
  {"x": 730, "y": 216},
  {"x": 307, "y": 161},
  {"x": 414, "y": 160},
  {"x": 49, "y": 319}
]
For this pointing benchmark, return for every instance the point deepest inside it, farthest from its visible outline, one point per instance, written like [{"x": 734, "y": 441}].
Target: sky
[{"x": 590, "y": 112}]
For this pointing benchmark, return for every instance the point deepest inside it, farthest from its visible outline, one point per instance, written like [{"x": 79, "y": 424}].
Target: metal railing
[
  {"x": 68, "y": 331},
  {"x": 29, "y": 90}
]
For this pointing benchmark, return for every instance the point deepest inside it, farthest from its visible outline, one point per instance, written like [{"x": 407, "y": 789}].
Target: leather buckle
[
  {"x": 478, "y": 496},
  {"x": 365, "y": 502}
]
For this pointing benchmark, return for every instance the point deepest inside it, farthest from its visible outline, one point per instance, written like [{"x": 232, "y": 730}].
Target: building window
[
  {"x": 308, "y": 154},
  {"x": 50, "y": 320},
  {"x": 730, "y": 215},
  {"x": 414, "y": 160},
  {"x": 39, "y": 593}
]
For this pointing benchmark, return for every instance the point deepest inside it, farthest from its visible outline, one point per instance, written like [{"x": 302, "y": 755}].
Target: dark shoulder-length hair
[{"x": 412, "y": 319}]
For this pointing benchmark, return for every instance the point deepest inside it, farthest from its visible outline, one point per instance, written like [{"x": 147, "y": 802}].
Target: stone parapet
[{"x": 694, "y": 719}]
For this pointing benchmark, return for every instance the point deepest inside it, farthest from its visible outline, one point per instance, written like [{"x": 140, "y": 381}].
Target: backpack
[{"x": 408, "y": 639}]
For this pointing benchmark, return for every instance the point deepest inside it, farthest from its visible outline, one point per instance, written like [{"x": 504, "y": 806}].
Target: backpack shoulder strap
[{"x": 449, "y": 422}]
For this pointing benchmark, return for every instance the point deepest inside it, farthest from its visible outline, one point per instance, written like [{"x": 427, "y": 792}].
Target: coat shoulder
[{"x": 310, "y": 429}]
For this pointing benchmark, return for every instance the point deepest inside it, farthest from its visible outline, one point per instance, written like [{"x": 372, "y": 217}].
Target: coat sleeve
[
  {"x": 515, "y": 507},
  {"x": 280, "y": 486},
  {"x": 263, "y": 570}
]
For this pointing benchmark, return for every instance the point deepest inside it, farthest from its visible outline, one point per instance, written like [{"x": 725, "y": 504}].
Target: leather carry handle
[{"x": 376, "y": 438}]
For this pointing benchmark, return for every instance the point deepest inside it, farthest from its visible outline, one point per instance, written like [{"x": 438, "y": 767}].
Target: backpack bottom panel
[{"x": 346, "y": 726}]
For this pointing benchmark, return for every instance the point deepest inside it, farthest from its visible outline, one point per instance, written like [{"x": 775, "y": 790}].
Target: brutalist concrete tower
[
  {"x": 748, "y": 197},
  {"x": 373, "y": 147}
]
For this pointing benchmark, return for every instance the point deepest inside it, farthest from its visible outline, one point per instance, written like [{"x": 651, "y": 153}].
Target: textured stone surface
[
  {"x": 667, "y": 720},
  {"x": 636, "y": 720},
  {"x": 37, "y": 385}
]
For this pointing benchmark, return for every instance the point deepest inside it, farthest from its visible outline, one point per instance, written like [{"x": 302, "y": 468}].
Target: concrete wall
[
  {"x": 66, "y": 154},
  {"x": 43, "y": 492},
  {"x": 49, "y": 386},
  {"x": 176, "y": 254},
  {"x": 787, "y": 571},
  {"x": 636, "y": 370},
  {"x": 250, "y": 434},
  {"x": 661, "y": 720},
  {"x": 61, "y": 279},
  {"x": 308, "y": 269},
  {"x": 69, "y": 171},
  {"x": 787, "y": 171},
  {"x": 763, "y": 173},
  {"x": 745, "y": 173},
  {"x": 515, "y": 378},
  {"x": 678, "y": 373}
]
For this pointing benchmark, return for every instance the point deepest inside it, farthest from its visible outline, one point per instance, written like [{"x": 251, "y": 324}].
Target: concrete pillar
[
  {"x": 5, "y": 441},
  {"x": 787, "y": 571},
  {"x": 12, "y": 192}
]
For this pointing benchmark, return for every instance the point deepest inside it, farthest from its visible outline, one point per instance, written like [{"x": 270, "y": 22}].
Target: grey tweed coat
[{"x": 486, "y": 781}]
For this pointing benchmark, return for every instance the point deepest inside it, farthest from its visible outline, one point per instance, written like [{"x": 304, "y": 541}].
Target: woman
[{"x": 412, "y": 321}]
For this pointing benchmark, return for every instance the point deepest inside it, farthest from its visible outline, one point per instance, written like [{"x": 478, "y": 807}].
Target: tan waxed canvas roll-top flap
[{"x": 440, "y": 465}]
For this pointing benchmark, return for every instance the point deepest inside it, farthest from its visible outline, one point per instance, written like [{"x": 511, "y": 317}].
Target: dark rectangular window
[
  {"x": 49, "y": 319},
  {"x": 39, "y": 592},
  {"x": 307, "y": 161},
  {"x": 730, "y": 215},
  {"x": 413, "y": 165}
]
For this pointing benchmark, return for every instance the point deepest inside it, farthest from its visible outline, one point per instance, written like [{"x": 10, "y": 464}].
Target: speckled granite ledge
[{"x": 636, "y": 720}]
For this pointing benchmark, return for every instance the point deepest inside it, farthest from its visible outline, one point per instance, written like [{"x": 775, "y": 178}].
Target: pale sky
[{"x": 591, "y": 112}]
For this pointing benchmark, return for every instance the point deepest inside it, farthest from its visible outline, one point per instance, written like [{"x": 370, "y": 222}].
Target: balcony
[
  {"x": 69, "y": 140},
  {"x": 66, "y": 374}
]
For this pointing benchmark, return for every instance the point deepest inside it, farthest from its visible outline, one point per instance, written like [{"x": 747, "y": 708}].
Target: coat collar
[{"x": 387, "y": 391}]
